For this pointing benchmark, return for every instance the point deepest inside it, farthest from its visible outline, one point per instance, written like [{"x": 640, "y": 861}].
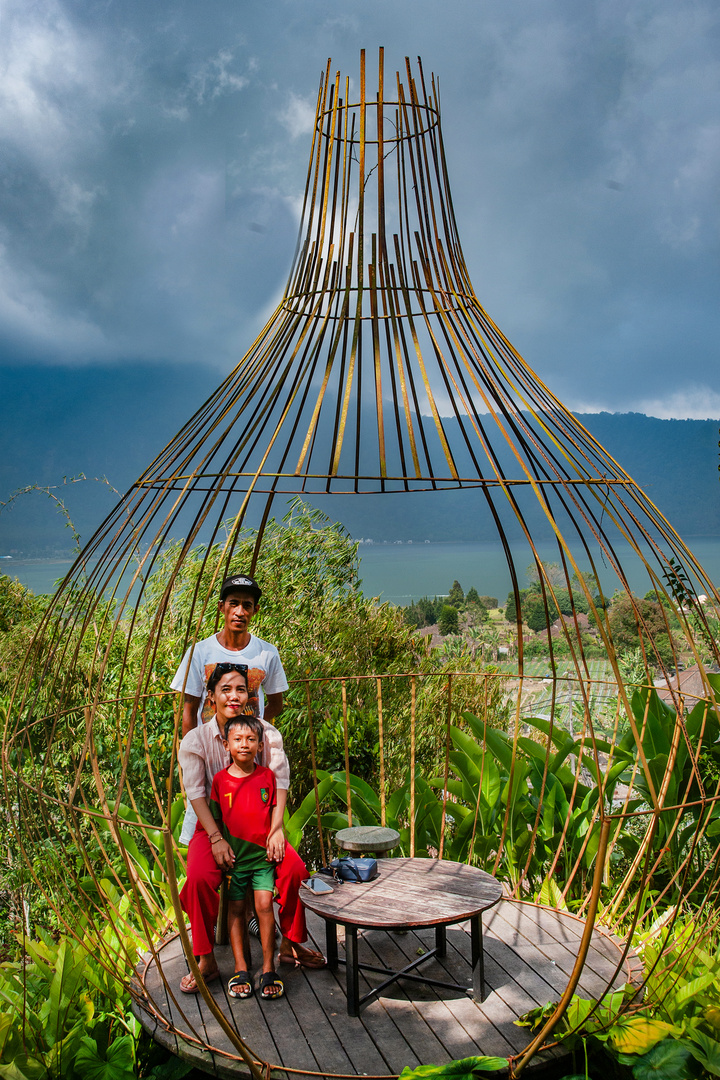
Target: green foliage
[
  {"x": 365, "y": 808},
  {"x": 633, "y": 621},
  {"x": 465, "y": 1069},
  {"x": 488, "y": 602},
  {"x": 657, "y": 723},
  {"x": 65, "y": 1013},
  {"x": 456, "y": 596},
  {"x": 144, "y": 848},
  {"x": 497, "y": 793},
  {"x": 427, "y": 612},
  {"x": 17, "y": 604},
  {"x": 448, "y": 620},
  {"x": 534, "y": 613},
  {"x": 312, "y": 606},
  {"x": 423, "y": 612},
  {"x": 669, "y": 1034}
]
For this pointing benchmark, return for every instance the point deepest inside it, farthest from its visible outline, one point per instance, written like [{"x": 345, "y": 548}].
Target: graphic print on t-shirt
[{"x": 255, "y": 677}]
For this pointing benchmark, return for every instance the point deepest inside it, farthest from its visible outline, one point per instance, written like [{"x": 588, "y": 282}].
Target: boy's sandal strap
[
  {"x": 267, "y": 979},
  {"x": 239, "y": 985}
]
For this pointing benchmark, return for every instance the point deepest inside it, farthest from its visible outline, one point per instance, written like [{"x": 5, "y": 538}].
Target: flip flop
[
  {"x": 195, "y": 989},
  {"x": 268, "y": 979},
  {"x": 309, "y": 959},
  {"x": 236, "y": 983}
]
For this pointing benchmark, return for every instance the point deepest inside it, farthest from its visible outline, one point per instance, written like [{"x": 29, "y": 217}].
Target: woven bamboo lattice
[{"x": 379, "y": 373}]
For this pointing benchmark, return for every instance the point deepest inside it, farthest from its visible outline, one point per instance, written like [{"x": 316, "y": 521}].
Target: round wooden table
[{"x": 406, "y": 894}]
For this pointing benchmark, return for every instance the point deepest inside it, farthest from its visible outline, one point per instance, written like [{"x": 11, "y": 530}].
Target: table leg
[
  {"x": 331, "y": 949},
  {"x": 440, "y": 941},
  {"x": 476, "y": 954},
  {"x": 351, "y": 968}
]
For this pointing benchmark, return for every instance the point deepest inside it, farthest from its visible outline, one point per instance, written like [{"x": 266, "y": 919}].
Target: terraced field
[{"x": 539, "y": 698}]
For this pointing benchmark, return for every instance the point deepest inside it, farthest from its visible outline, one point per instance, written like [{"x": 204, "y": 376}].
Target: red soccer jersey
[{"x": 244, "y": 804}]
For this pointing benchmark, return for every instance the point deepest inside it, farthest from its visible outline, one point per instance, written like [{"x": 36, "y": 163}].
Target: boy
[{"x": 243, "y": 799}]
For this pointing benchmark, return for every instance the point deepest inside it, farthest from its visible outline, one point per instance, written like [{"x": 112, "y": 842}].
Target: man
[
  {"x": 238, "y": 605},
  {"x": 234, "y": 644}
]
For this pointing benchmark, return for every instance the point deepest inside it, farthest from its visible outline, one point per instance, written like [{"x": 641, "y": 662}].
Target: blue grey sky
[{"x": 154, "y": 154}]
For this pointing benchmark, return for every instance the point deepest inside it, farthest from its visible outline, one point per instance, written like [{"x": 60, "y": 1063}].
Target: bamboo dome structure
[{"x": 380, "y": 374}]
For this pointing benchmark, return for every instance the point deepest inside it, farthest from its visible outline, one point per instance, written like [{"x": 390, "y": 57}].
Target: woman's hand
[
  {"x": 276, "y": 845},
  {"x": 223, "y": 854}
]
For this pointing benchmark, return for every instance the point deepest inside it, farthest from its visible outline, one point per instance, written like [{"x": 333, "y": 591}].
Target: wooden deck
[{"x": 529, "y": 955}]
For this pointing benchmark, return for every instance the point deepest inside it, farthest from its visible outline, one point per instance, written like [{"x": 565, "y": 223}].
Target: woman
[{"x": 201, "y": 756}]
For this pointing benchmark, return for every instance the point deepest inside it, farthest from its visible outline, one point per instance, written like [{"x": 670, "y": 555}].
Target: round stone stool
[{"x": 365, "y": 838}]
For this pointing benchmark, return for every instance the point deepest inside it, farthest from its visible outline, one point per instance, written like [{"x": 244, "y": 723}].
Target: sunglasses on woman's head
[{"x": 226, "y": 668}]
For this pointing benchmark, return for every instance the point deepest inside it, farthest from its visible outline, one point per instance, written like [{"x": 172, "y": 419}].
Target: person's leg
[
  {"x": 270, "y": 985},
  {"x": 266, "y": 921},
  {"x": 288, "y": 875},
  {"x": 199, "y": 901},
  {"x": 239, "y": 984},
  {"x": 236, "y": 932}
]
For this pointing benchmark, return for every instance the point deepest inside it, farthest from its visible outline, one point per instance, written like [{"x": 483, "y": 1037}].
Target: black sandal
[
  {"x": 267, "y": 979},
  {"x": 240, "y": 986}
]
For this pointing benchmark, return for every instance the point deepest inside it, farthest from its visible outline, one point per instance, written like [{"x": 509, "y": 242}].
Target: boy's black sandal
[
  {"x": 270, "y": 978},
  {"x": 240, "y": 986}
]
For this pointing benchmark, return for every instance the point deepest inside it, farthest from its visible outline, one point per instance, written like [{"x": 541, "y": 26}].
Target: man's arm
[
  {"x": 190, "y": 713},
  {"x": 273, "y": 706}
]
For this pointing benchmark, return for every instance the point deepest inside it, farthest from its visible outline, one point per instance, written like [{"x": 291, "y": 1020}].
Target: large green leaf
[
  {"x": 668, "y": 1060},
  {"x": 464, "y": 1069},
  {"x": 118, "y": 1063},
  {"x": 296, "y": 824},
  {"x": 360, "y": 787},
  {"x": 551, "y": 895},
  {"x": 500, "y": 747},
  {"x": 704, "y": 719},
  {"x": 706, "y": 1051},
  {"x": 639, "y": 1034},
  {"x": 12, "y": 1071}
]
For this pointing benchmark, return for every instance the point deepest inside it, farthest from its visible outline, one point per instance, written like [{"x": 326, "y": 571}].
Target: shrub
[{"x": 448, "y": 622}]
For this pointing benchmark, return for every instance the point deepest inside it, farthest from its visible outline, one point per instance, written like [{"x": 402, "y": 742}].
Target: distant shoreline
[{"x": 399, "y": 572}]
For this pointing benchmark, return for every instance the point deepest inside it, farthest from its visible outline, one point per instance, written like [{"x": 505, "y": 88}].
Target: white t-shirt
[{"x": 265, "y": 671}]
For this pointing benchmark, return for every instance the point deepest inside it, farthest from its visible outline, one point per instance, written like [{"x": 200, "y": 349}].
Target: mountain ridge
[{"x": 112, "y": 422}]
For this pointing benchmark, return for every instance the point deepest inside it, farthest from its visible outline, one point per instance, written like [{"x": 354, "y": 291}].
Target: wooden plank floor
[{"x": 529, "y": 954}]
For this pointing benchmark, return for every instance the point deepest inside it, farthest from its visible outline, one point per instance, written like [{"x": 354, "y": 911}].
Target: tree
[
  {"x": 448, "y": 622},
  {"x": 535, "y": 614},
  {"x": 423, "y": 612},
  {"x": 456, "y": 596},
  {"x": 488, "y": 602},
  {"x": 475, "y": 615},
  {"x": 471, "y": 596},
  {"x": 552, "y": 573},
  {"x": 630, "y": 616}
]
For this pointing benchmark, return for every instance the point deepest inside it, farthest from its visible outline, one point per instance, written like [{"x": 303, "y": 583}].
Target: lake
[{"x": 401, "y": 573}]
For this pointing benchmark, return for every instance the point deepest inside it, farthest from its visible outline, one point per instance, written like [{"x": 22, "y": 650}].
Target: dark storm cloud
[{"x": 154, "y": 155}]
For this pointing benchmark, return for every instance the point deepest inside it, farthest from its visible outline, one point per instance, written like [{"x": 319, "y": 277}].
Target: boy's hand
[
  {"x": 276, "y": 846},
  {"x": 223, "y": 854}
]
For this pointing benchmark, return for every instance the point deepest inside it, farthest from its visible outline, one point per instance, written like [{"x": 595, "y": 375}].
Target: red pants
[{"x": 200, "y": 901}]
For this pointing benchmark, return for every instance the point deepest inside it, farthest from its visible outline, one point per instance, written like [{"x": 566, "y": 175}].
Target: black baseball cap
[{"x": 242, "y": 582}]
